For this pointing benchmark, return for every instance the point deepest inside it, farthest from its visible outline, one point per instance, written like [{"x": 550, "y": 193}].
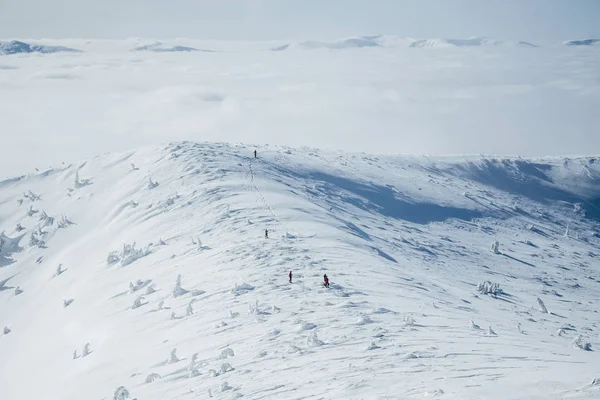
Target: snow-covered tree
[
  {"x": 178, "y": 290},
  {"x": 151, "y": 184},
  {"x": 494, "y": 247},
  {"x": 190, "y": 310},
  {"x": 86, "y": 350},
  {"x": 579, "y": 343},
  {"x": 121, "y": 394},
  {"x": 542, "y": 306},
  {"x": 173, "y": 357},
  {"x": 489, "y": 288}
]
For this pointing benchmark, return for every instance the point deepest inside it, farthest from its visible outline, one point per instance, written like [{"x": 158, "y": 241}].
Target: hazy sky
[{"x": 299, "y": 19}]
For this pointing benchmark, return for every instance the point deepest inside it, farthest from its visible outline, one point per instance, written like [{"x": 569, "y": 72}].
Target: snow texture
[{"x": 415, "y": 308}]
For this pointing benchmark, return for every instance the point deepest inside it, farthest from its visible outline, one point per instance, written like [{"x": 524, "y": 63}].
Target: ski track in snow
[{"x": 404, "y": 240}]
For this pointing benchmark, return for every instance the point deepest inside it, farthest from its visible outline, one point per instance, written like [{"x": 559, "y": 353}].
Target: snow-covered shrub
[
  {"x": 59, "y": 270},
  {"x": 6, "y": 330},
  {"x": 473, "y": 325},
  {"x": 121, "y": 394},
  {"x": 189, "y": 311},
  {"x": 31, "y": 196},
  {"x": 192, "y": 367},
  {"x": 113, "y": 258},
  {"x": 152, "y": 377},
  {"x": 139, "y": 284},
  {"x": 64, "y": 222},
  {"x": 19, "y": 227},
  {"x": 409, "y": 320},
  {"x": 226, "y": 367},
  {"x": 75, "y": 356},
  {"x": 131, "y": 254},
  {"x": 173, "y": 357},
  {"x": 307, "y": 326},
  {"x": 579, "y": 343},
  {"x": 494, "y": 247},
  {"x": 150, "y": 289},
  {"x": 491, "y": 331},
  {"x": 67, "y": 302},
  {"x": 79, "y": 183},
  {"x": 226, "y": 353},
  {"x": 225, "y": 386},
  {"x": 542, "y": 306},
  {"x": 373, "y": 346},
  {"x": 312, "y": 340},
  {"x": 128, "y": 255},
  {"x": 36, "y": 241},
  {"x": 31, "y": 212},
  {"x": 489, "y": 288},
  {"x": 46, "y": 219},
  {"x": 178, "y": 290},
  {"x": 138, "y": 303},
  {"x": 151, "y": 184},
  {"x": 86, "y": 350},
  {"x": 18, "y": 291},
  {"x": 241, "y": 289}
]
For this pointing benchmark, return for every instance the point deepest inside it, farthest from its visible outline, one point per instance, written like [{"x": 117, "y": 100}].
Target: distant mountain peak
[{"x": 18, "y": 47}]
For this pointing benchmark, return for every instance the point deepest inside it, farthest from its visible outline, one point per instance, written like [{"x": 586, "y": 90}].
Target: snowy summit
[{"x": 164, "y": 273}]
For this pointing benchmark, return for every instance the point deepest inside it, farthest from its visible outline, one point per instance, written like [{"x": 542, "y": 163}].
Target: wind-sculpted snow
[{"x": 148, "y": 275}]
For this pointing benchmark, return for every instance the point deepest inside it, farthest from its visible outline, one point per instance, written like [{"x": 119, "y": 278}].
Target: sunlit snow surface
[
  {"x": 163, "y": 248},
  {"x": 378, "y": 94}
]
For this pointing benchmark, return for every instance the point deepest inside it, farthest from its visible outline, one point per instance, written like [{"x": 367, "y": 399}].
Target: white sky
[{"x": 300, "y": 19}]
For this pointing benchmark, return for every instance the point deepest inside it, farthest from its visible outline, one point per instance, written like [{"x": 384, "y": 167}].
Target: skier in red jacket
[
  {"x": 325, "y": 281},
  {"x": 290, "y": 276}
]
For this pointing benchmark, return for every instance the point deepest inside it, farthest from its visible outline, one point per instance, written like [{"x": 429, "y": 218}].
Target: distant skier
[
  {"x": 290, "y": 276},
  {"x": 266, "y": 233},
  {"x": 255, "y": 156},
  {"x": 325, "y": 281}
]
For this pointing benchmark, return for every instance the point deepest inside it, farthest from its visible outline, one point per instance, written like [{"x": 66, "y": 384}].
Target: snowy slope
[{"x": 404, "y": 240}]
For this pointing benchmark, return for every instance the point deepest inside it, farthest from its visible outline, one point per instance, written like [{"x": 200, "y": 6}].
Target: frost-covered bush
[
  {"x": 79, "y": 183},
  {"x": 152, "y": 377},
  {"x": 173, "y": 357},
  {"x": 46, "y": 219},
  {"x": 579, "y": 343},
  {"x": 489, "y": 288},
  {"x": 128, "y": 255},
  {"x": 494, "y": 247},
  {"x": 312, "y": 340},
  {"x": 190, "y": 310},
  {"x": 6, "y": 330},
  {"x": 178, "y": 290},
  {"x": 86, "y": 350},
  {"x": 542, "y": 306},
  {"x": 121, "y": 394},
  {"x": 151, "y": 184},
  {"x": 226, "y": 353},
  {"x": 64, "y": 222}
]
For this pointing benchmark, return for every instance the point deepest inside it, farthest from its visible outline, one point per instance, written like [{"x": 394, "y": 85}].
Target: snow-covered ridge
[
  {"x": 397, "y": 41},
  {"x": 582, "y": 42},
  {"x": 159, "y": 47},
  {"x": 18, "y": 47},
  {"x": 148, "y": 275}
]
